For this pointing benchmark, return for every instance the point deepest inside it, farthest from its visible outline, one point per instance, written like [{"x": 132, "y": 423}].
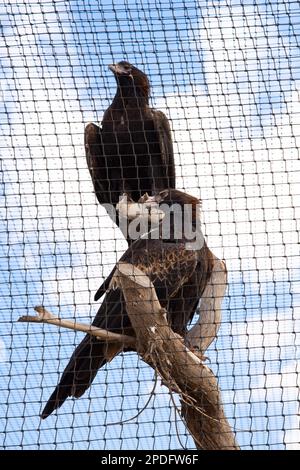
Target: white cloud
[
  {"x": 3, "y": 356},
  {"x": 247, "y": 192},
  {"x": 292, "y": 436},
  {"x": 242, "y": 157},
  {"x": 266, "y": 361}
]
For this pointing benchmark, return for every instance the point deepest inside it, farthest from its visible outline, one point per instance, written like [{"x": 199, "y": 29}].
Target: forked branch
[{"x": 43, "y": 316}]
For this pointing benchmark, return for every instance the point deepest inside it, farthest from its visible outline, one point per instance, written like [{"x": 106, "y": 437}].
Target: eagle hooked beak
[{"x": 117, "y": 69}]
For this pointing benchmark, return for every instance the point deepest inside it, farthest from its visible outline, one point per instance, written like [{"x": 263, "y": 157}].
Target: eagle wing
[
  {"x": 97, "y": 162},
  {"x": 91, "y": 354},
  {"x": 162, "y": 126}
]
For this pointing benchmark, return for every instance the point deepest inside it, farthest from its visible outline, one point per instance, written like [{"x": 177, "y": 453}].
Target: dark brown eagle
[
  {"x": 179, "y": 276},
  {"x": 132, "y": 151}
]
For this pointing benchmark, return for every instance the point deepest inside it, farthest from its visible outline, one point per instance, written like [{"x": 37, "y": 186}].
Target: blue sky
[{"x": 226, "y": 75}]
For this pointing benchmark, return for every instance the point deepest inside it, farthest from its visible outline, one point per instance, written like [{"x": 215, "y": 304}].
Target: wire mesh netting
[{"x": 226, "y": 73}]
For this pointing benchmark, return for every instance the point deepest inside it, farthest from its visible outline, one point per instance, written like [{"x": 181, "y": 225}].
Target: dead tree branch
[
  {"x": 179, "y": 368},
  {"x": 46, "y": 317}
]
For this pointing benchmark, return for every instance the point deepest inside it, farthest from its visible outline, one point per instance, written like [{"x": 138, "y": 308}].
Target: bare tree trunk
[{"x": 182, "y": 371}]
